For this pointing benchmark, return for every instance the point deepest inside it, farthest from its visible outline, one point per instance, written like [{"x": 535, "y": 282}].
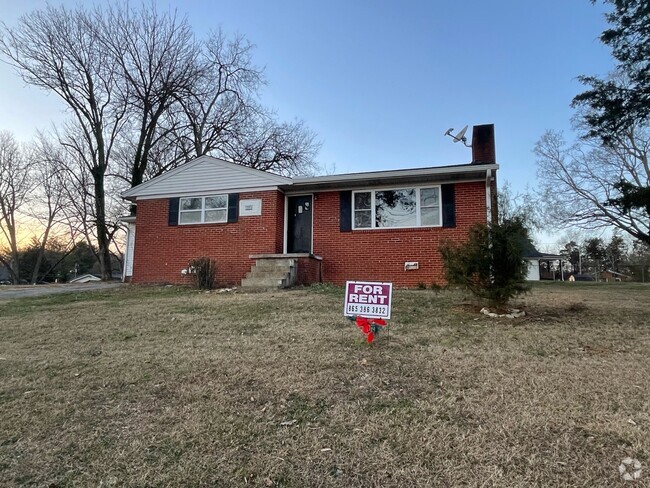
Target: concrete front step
[
  {"x": 268, "y": 273},
  {"x": 271, "y": 271},
  {"x": 264, "y": 282},
  {"x": 275, "y": 263}
]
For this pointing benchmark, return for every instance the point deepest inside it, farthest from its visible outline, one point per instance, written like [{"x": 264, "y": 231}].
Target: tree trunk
[
  {"x": 103, "y": 241},
  {"x": 41, "y": 252},
  {"x": 14, "y": 269}
]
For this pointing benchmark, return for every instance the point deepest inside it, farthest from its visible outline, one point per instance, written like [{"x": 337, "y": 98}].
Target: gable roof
[
  {"x": 531, "y": 252},
  {"x": 208, "y": 174},
  {"x": 205, "y": 174},
  {"x": 85, "y": 278}
]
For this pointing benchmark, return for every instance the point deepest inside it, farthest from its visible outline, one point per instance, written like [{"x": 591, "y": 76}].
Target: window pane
[
  {"x": 190, "y": 204},
  {"x": 217, "y": 201},
  {"x": 429, "y": 197},
  {"x": 190, "y": 217},
  {"x": 216, "y": 215},
  {"x": 362, "y": 201},
  {"x": 430, "y": 216},
  {"x": 395, "y": 208},
  {"x": 362, "y": 219}
]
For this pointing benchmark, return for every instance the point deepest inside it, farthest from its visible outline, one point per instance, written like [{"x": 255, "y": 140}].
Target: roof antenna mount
[{"x": 460, "y": 137}]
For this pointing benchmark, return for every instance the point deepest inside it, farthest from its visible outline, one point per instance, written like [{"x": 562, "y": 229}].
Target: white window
[
  {"x": 429, "y": 206},
  {"x": 363, "y": 210},
  {"x": 401, "y": 208},
  {"x": 203, "y": 210}
]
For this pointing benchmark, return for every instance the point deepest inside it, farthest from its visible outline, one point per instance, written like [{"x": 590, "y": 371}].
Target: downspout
[
  {"x": 488, "y": 194},
  {"x": 126, "y": 253}
]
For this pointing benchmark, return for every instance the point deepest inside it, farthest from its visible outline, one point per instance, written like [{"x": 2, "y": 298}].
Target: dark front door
[{"x": 299, "y": 226}]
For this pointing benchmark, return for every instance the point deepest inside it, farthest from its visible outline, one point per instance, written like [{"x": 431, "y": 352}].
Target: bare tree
[
  {"x": 48, "y": 200},
  {"x": 221, "y": 115},
  {"x": 283, "y": 148},
  {"x": 80, "y": 211},
  {"x": 522, "y": 205},
  {"x": 156, "y": 59},
  {"x": 616, "y": 251},
  {"x": 222, "y": 97},
  {"x": 15, "y": 186},
  {"x": 145, "y": 96},
  {"x": 192, "y": 99},
  {"x": 581, "y": 182},
  {"x": 61, "y": 51}
]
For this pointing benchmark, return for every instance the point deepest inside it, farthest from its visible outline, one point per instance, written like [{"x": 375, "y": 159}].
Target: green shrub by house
[{"x": 490, "y": 263}]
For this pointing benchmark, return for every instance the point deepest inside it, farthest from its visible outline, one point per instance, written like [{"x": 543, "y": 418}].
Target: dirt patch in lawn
[{"x": 170, "y": 387}]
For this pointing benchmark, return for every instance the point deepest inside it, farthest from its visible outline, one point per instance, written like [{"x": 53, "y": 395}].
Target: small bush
[
  {"x": 422, "y": 285},
  {"x": 204, "y": 270},
  {"x": 436, "y": 287},
  {"x": 490, "y": 264}
]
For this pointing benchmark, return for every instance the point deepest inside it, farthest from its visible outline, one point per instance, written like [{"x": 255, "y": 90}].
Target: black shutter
[
  {"x": 233, "y": 207},
  {"x": 448, "y": 206},
  {"x": 345, "y": 218},
  {"x": 173, "y": 211}
]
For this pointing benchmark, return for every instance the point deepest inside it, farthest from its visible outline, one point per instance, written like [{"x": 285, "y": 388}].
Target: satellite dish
[{"x": 460, "y": 137}]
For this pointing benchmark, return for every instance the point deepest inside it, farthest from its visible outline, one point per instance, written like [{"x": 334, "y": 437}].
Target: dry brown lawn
[{"x": 172, "y": 387}]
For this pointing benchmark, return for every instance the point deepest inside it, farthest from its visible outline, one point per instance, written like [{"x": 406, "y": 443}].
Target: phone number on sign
[{"x": 378, "y": 310}]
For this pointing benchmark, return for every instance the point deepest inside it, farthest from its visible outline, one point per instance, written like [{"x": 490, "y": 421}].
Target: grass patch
[
  {"x": 576, "y": 307},
  {"x": 164, "y": 386},
  {"x": 327, "y": 289}
]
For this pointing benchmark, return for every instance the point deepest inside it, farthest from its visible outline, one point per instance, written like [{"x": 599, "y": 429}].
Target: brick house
[{"x": 268, "y": 230}]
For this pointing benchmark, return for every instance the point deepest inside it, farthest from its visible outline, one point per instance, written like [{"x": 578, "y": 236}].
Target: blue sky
[{"x": 381, "y": 81}]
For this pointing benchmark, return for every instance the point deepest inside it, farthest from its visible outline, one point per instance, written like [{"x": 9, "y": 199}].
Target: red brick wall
[
  {"x": 161, "y": 251},
  {"x": 379, "y": 254},
  {"x": 309, "y": 271},
  {"x": 279, "y": 230}
]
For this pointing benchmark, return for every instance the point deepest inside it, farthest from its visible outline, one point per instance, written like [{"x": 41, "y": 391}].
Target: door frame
[{"x": 286, "y": 220}]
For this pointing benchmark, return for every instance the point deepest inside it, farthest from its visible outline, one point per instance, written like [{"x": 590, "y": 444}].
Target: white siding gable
[{"x": 205, "y": 175}]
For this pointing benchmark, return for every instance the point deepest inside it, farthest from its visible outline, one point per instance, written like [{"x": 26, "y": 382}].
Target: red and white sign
[{"x": 368, "y": 299}]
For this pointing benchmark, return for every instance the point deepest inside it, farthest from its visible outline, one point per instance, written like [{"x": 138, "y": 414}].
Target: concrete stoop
[{"x": 271, "y": 274}]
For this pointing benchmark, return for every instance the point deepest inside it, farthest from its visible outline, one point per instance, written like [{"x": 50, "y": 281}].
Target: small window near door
[{"x": 203, "y": 210}]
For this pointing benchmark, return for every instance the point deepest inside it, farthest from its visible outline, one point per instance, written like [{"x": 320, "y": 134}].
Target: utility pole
[{"x": 580, "y": 261}]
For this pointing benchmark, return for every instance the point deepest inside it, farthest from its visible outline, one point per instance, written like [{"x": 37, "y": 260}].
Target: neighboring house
[
  {"x": 540, "y": 265},
  {"x": 85, "y": 278},
  {"x": 268, "y": 230},
  {"x": 610, "y": 275}
]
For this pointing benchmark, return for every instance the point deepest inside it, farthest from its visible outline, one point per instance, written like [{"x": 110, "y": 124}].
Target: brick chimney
[{"x": 483, "y": 150}]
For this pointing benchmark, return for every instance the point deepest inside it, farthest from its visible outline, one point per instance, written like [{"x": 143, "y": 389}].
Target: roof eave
[
  {"x": 542, "y": 256},
  {"x": 439, "y": 174}
]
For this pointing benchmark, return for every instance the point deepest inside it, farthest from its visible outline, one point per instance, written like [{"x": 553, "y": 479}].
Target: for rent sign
[{"x": 368, "y": 299}]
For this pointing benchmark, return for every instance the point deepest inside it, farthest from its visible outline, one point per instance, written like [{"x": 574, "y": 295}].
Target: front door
[{"x": 299, "y": 225}]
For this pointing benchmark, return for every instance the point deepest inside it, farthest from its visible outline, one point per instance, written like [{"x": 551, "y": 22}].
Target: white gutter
[
  {"x": 488, "y": 194},
  {"x": 433, "y": 171}
]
